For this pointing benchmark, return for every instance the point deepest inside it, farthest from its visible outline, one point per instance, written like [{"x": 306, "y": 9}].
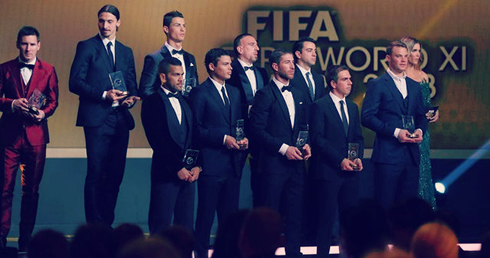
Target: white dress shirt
[
  {"x": 175, "y": 105},
  {"x": 250, "y": 75},
  {"x": 336, "y": 101},
  {"x": 304, "y": 71},
  {"x": 178, "y": 56}
]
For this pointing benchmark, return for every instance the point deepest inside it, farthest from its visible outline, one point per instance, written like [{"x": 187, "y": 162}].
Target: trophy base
[
  {"x": 412, "y": 135},
  {"x": 33, "y": 110}
]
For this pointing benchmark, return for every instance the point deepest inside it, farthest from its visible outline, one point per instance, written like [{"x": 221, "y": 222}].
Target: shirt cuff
[
  {"x": 224, "y": 140},
  {"x": 283, "y": 149},
  {"x": 397, "y": 131},
  {"x": 104, "y": 95},
  {"x": 12, "y": 106},
  {"x": 420, "y": 130}
]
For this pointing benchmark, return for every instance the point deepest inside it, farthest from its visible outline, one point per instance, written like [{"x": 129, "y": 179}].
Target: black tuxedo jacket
[
  {"x": 13, "y": 125},
  {"x": 300, "y": 82},
  {"x": 271, "y": 127},
  {"x": 164, "y": 134},
  {"x": 240, "y": 80},
  {"x": 328, "y": 139},
  {"x": 382, "y": 112},
  {"x": 89, "y": 78},
  {"x": 149, "y": 81},
  {"x": 211, "y": 124}
]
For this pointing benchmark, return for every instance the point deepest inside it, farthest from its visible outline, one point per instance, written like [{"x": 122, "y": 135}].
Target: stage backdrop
[{"x": 455, "y": 36}]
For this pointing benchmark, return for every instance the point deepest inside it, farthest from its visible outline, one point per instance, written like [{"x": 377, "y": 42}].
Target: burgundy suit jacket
[{"x": 14, "y": 124}]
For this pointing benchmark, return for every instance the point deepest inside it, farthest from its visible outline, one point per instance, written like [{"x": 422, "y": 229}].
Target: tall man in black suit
[
  {"x": 391, "y": 99},
  {"x": 174, "y": 28},
  {"x": 248, "y": 78},
  {"x": 277, "y": 117},
  {"x": 167, "y": 119},
  {"x": 103, "y": 113},
  {"x": 216, "y": 108},
  {"x": 310, "y": 82},
  {"x": 25, "y": 82},
  {"x": 334, "y": 124}
]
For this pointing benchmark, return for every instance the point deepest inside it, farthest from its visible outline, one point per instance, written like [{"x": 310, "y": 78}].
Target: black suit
[
  {"x": 283, "y": 178},
  {"x": 219, "y": 181},
  {"x": 149, "y": 82},
  {"x": 169, "y": 140},
  {"x": 240, "y": 80},
  {"x": 106, "y": 128},
  {"x": 396, "y": 163},
  {"x": 300, "y": 82},
  {"x": 336, "y": 187}
]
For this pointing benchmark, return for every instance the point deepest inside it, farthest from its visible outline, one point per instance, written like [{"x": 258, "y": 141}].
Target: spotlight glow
[{"x": 440, "y": 188}]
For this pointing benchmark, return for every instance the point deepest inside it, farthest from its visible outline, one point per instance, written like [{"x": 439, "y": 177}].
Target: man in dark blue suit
[
  {"x": 277, "y": 117},
  {"x": 311, "y": 83},
  {"x": 174, "y": 28},
  {"x": 334, "y": 125},
  {"x": 167, "y": 120},
  {"x": 103, "y": 113},
  {"x": 391, "y": 99},
  {"x": 216, "y": 108},
  {"x": 248, "y": 78}
]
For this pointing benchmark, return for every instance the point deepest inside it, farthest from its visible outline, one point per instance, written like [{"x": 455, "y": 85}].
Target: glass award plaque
[
  {"x": 188, "y": 85},
  {"x": 36, "y": 101},
  {"x": 353, "y": 153},
  {"x": 118, "y": 83},
  {"x": 301, "y": 141},
  {"x": 409, "y": 125},
  {"x": 432, "y": 111},
  {"x": 240, "y": 129},
  {"x": 190, "y": 158}
]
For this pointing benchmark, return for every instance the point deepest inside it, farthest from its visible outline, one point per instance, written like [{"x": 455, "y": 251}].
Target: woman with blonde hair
[{"x": 426, "y": 186}]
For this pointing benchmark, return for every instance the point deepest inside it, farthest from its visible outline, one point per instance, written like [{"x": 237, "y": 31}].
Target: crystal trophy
[
  {"x": 301, "y": 141},
  {"x": 409, "y": 125},
  {"x": 432, "y": 111},
  {"x": 36, "y": 101},
  {"x": 190, "y": 158},
  {"x": 353, "y": 153},
  {"x": 188, "y": 85},
  {"x": 118, "y": 83}
]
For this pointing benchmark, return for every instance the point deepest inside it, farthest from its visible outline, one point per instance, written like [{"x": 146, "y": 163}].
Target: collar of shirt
[
  {"x": 335, "y": 98},
  {"x": 244, "y": 64},
  {"x": 303, "y": 70},
  {"x": 279, "y": 84},
  {"x": 336, "y": 101},
  {"x": 33, "y": 62},
  {"x": 167, "y": 91},
  {"x": 170, "y": 48},
  {"x": 106, "y": 40},
  {"x": 396, "y": 78},
  {"x": 218, "y": 87}
]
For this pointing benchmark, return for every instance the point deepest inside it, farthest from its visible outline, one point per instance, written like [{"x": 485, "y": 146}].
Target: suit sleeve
[
  {"x": 148, "y": 77},
  {"x": 259, "y": 120},
  {"x": 5, "y": 103},
  {"x": 130, "y": 75},
  {"x": 79, "y": 82},
  {"x": 358, "y": 133},
  {"x": 53, "y": 93},
  {"x": 193, "y": 61},
  {"x": 370, "y": 110}
]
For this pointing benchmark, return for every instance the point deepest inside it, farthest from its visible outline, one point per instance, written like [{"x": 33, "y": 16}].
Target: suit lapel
[
  {"x": 99, "y": 46},
  {"x": 37, "y": 73},
  {"x": 186, "y": 110},
  {"x": 172, "y": 120},
  {"x": 332, "y": 109},
  {"x": 187, "y": 64},
  {"x": 284, "y": 107},
  {"x": 17, "y": 77},
  {"x": 390, "y": 85},
  {"x": 319, "y": 85},
  {"x": 217, "y": 99},
  {"x": 258, "y": 78}
]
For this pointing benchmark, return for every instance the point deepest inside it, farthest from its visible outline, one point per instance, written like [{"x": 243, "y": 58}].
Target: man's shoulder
[
  {"x": 9, "y": 63},
  {"x": 45, "y": 65}
]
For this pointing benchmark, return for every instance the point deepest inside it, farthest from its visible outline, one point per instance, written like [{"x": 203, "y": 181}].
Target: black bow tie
[
  {"x": 248, "y": 68},
  {"x": 173, "y": 95},
  {"x": 22, "y": 65},
  {"x": 284, "y": 88},
  {"x": 175, "y": 51}
]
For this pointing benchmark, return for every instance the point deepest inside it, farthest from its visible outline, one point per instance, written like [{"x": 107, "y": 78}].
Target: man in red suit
[{"x": 28, "y": 96}]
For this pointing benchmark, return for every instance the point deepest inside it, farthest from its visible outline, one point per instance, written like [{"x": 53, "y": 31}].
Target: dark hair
[
  {"x": 168, "y": 17},
  {"x": 396, "y": 43},
  {"x": 277, "y": 54},
  {"x": 108, "y": 8},
  {"x": 164, "y": 65},
  {"x": 237, "y": 40},
  {"x": 28, "y": 31},
  {"x": 213, "y": 55},
  {"x": 332, "y": 74},
  {"x": 298, "y": 45}
]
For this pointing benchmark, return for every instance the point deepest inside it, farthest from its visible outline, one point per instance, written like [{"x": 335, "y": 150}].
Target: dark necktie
[
  {"x": 22, "y": 65},
  {"x": 111, "y": 56},
  {"x": 246, "y": 68},
  {"x": 225, "y": 98},
  {"x": 310, "y": 86},
  {"x": 175, "y": 51},
  {"x": 284, "y": 88},
  {"x": 344, "y": 117}
]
